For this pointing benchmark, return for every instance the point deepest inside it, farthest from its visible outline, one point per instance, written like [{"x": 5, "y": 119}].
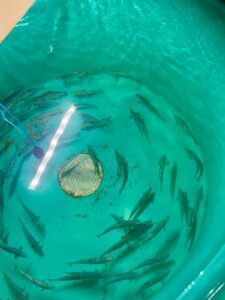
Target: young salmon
[{"x": 35, "y": 245}]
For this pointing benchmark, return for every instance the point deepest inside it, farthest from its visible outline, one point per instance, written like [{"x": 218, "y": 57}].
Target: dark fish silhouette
[
  {"x": 93, "y": 261},
  {"x": 145, "y": 102},
  {"x": 35, "y": 245},
  {"x": 16, "y": 177},
  {"x": 139, "y": 121},
  {"x": 17, "y": 252},
  {"x": 122, "y": 224},
  {"x": 49, "y": 96},
  {"x": 123, "y": 276},
  {"x": 186, "y": 129},
  {"x": 199, "y": 167},
  {"x": 173, "y": 178},
  {"x": 151, "y": 282},
  {"x": 122, "y": 169},
  {"x": 146, "y": 199},
  {"x": 84, "y": 275},
  {"x": 156, "y": 230},
  {"x": 33, "y": 217},
  {"x": 184, "y": 205},
  {"x": 95, "y": 161},
  {"x": 4, "y": 232},
  {"x": 87, "y": 93},
  {"x": 151, "y": 261},
  {"x": 137, "y": 230},
  {"x": 162, "y": 164},
  {"x": 39, "y": 283},
  {"x": 17, "y": 291}
]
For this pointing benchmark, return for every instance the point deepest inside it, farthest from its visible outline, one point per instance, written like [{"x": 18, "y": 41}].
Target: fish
[
  {"x": 2, "y": 202},
  {"x": 151, "y": 282},
  {"x": 122, "y": 170},
  {"x": 162, "y": 164},
  {"x": 16, "y": 177},
  {"x": 2, "y": 179},
  {"x": 75, "y": 75},
  {"x": 2, "y": 199},
  {"x": 9, "y": 166},
  {"x": 135, "y": 232},
  {"x": 123, "y": 276},
  {"x": 39, "y": 283},
  {"x": 32, "y": 216},
  {"x": 119, "y": 74},
  {"x": 146, "y": 199},
  {"x": 192, "y": 218},
  {"x": 184, "y": 205},
  {"x": 199, "y": 197},
  {"x": 29, "y": 93},
  {"x": 140, "y": 227},
  {"x": 123, "y": 224},
  {"x": 84, "y": 275},
  {"x": 151, "y": 261},
  {"x": 87, "y": 93},
  {"x": 17, "y": 252},
  {"x": 88, "y": 117},
  {"x": 95, "y": 161},
  {"x": 186, "y": 129},
  {"x": 118, "y": 245},
  {"x": 49, "y": 96},
  {"x": 118, "y": 219},
  {"x": 139, "y": 121},
  {"x": 11, "y": 96},
  {"x": 199, "y": 166},
  {"x": 4, "y": 233},
  {"x": 35, "y": 245},
  {"x": 173, "y": 178},
  {"x": 190, "y": 215},
  {"x": 192, "y": 231},
  {"x": 161, "y": 265},
  {"x": 93, "y": 261},
  {"x": 170, "y": 242},
  {"x": 6, "y": 147},
  {"x": 146, "y": 103},
  {"x": 96, "y": 124},
  {"x": 17, "y": 291},
  {"x": 83, "y": 106},
  {"x": 156, "y": 230},
  {"x": 43, "y": 118}
]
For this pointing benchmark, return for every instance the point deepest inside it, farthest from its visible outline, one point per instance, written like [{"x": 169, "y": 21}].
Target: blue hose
[{"x": 38, "y": 152}]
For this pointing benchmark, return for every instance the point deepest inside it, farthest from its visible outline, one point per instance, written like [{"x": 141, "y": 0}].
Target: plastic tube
[{"x": 37, "y": 151}]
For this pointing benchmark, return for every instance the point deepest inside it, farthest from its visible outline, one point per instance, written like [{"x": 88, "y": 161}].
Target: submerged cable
[{"x": 37, "y": 151}]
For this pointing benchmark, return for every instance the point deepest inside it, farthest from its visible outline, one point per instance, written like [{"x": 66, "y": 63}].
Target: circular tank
[{"x": 137, "y": 87}]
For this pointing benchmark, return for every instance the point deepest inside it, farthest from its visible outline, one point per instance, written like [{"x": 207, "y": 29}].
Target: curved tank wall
[{"x": 175, "y": 49}]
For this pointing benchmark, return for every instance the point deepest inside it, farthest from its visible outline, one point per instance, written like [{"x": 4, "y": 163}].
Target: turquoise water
[
  {"x": 170, "y": 54},
  {"x": 76, "y": 222}
]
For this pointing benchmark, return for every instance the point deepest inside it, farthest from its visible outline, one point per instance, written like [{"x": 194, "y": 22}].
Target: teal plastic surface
[{"x": 146, "y": 80}]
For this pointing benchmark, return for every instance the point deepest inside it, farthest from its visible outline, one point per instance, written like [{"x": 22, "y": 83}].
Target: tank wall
[{"x": 149, "y": 42}]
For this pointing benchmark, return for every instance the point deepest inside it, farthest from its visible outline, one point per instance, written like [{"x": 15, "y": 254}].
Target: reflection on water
[{"x": 130, "y": 236}]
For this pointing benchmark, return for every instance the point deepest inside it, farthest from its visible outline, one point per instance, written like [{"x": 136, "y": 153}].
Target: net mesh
[{"x": 80, "y": 175}]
